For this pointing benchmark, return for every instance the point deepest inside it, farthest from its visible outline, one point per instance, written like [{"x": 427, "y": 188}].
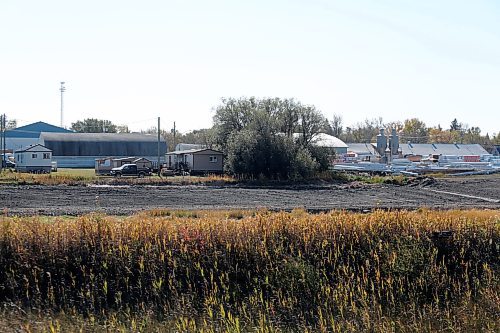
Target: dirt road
[{"x": 471, "y": 192}]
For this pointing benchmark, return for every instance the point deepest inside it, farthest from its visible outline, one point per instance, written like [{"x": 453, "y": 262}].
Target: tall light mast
[{"x": 62, "y": 90}]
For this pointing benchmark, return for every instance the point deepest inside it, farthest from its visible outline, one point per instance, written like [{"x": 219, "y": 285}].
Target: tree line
[{"x": 413, "y": 130}]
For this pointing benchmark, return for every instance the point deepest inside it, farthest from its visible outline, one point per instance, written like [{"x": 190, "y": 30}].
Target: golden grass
[
  {"x": 239, "y": 271},
  {"x": 87, "y": 176}
]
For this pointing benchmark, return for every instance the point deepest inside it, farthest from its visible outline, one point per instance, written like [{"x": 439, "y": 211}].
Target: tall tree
[
  {"x": 336, "y": 125},
  {"x": 257, "y": 136},
  {"x": 455, "y": 125},
  {"x": 288, "y": 116},
  {"x": 311, "y": 122},
  {"x": 233, "y": 115}
]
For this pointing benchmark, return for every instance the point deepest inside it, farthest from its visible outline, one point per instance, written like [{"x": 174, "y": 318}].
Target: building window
[
  {"x": 46, "y": 156},
  {"x": 34, "y": 155},
  {"x": 212, "y": 159}
]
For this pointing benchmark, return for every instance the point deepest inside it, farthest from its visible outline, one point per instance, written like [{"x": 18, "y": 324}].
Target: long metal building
[{"x": 80, "y": 150}]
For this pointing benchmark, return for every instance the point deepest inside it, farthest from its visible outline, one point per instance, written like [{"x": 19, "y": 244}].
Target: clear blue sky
[{"x": 132, "y": 61}]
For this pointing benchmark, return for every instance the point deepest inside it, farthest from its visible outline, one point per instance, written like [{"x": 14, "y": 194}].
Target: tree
[
  {"x": 311, "y": 122},
  {"x": 257, "y": 136},
  {"x": 288, "y": 116},
  {"x": 336, "y": 125},
  {"x": 496, "y": 139},
  {"x": 9, "y": 124},
  {"x": 92, "y": 125},
  {"x": 473, "y": 135},
  {"x": 414, "y": 130},
  {"x": 122, "y": 129},
  {"x": 252, "y": 154},
  {"x": 455, "y": 125},
  {"x": 364, "y": 132},
  {"x": 232, "y": 115}
]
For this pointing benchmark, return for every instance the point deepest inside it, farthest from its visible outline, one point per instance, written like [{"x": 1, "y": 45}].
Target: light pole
[{"x": 62, "y": 90}]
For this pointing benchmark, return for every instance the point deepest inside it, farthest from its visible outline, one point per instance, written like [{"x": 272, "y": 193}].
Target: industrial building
[
  {"x": 422, "y": 150},
  {"x": 388, "y": 147},
  {"x": 81, "y": 150}
]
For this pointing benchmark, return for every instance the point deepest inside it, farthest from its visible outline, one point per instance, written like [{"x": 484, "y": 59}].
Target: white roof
[
  {"x": 34, "y": 148},
  {"x": 193, "y": 151},
  {"x": 326, "y": 140}
]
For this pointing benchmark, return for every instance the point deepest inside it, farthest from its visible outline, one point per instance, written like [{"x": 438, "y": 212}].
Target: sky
[{"x": 133, "y": 61}]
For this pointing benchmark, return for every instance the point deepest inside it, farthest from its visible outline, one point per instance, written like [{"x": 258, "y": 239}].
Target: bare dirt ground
[{"x": 441, "y": 193}]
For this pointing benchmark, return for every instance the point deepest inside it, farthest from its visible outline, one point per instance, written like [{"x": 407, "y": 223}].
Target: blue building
[{"x": 25, "y": 136}]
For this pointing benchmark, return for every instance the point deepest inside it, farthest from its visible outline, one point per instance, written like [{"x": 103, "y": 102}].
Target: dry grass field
[{"x": 252, "y": 271}]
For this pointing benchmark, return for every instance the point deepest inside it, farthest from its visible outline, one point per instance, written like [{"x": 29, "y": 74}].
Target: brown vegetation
[{"x": 240, "y": 270}]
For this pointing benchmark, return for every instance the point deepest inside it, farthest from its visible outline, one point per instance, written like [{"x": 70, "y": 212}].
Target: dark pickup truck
[{"x": 130, "y": 170}]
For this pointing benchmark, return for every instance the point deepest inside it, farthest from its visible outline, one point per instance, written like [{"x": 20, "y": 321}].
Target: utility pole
[
  {"x": 2, "y": 138},
  {"x": 159, "y": 168},
  {"x": 62, "y": 90},
  {"x": 174, "y": 135}
]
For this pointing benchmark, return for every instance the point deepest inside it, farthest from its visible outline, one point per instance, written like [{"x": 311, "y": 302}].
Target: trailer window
[
  {"x": 46, "y": 156},
  {"x": 212, "y": 159},
  {"x": 34, "y": 156}
]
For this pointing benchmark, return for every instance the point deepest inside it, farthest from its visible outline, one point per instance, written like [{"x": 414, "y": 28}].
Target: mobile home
[{"x": 36, "y": 158}]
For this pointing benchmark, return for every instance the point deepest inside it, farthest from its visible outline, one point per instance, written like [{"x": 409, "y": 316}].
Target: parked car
[
  {"x": 8, "y": 164},
  {"x": 167, "y": 172},
  {"x": 130, "y": 170}
]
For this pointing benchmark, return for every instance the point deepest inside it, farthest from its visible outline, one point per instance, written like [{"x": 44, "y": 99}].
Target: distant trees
[
  {"x": 258, "y": 136},
  {"x": 92, "y": 125},
  {"x": 9, "y": 124},
  {"x": 363, "y": 131},
  {"x": 203, "y": 136},
  {"x": 414, "y": 130},
  {"x": 122, "y": 129},
  {"x": 496, "y": 139},
  {"x": 336, "y": 126}
]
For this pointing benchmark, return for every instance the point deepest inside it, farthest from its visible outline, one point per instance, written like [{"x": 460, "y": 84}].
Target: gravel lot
[{"x": 443, "y": 193}]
